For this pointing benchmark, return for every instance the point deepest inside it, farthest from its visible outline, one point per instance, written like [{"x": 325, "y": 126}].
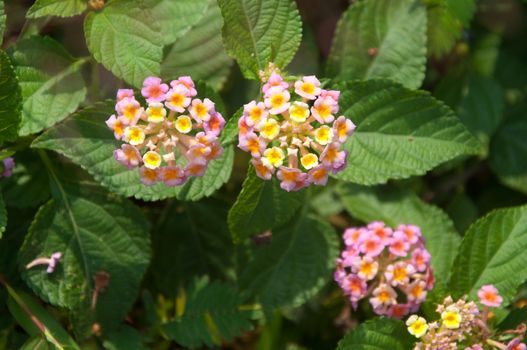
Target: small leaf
[
  {"x": 52, "y": 86},
  {"x": 212, "y": 313},
  {"x": 295, "y": 266},
  {"x": 192, "y": 241},
  {"x": 381, "y": 39},
  {"x": 61, "y": 8},
  {"x": 400, "y": 132},
  {"x": 199, "y": 53},
  {"x": 380, "y": 333},
  {"x": 261, "y": 206},
  {"x": 492, "y": 252},
  {"x": 508, "y": 151},
  {"x": 97, "y": 235},
  {"x": 444, "y": 30},
  {"x": 399, "y": 206},
  {"x": 10, "y": 100},
  {"x": 257, "y": 32},
  {"x": 87, "y": 141}
]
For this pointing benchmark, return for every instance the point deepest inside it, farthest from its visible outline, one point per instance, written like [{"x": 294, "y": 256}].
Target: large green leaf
[
  {"x": 493, "y": 252},
  {"x": 295, "y": 265},
  {"x": 10, "y": 100},
  {"x": 508, "y": 151},
  {"x": 481, "y": 109},
  {"x": 381, "y": 39},
  {"x": 96, "y": 233},
  {"x": 257, "y": 32},
  {"x": 192, "y": 240},
  {"x": 400, "y": 132},
  {"x": 61, "y": 8},
  {"x": 200, "y": 51},
  {"x": 211, "y": 314},
  {"x": 380, "y": 333},
  {"x": 261, "y": 206},
  {"x": 52, "y": 86},
  {"x": 87, "y": 141},
  {"x": 399, "y": 206}
]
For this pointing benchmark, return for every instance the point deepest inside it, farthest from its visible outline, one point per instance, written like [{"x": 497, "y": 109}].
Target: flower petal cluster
[
  {"x": 173, "y": 137},
  {"x": 295, "y": 132},
  {"x": 390, "y": 266},
  {"x": 7, "y": 168}
]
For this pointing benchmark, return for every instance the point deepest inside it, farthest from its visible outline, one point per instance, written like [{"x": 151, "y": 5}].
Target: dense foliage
[{"x": 263, "y": 174}]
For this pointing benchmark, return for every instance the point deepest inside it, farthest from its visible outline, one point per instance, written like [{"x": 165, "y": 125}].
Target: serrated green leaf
[
  {"x": 294, "y": 266},
  {"x": 87, "y": 141},
  {"x": 482, "y": 105},
  {"x": 96, "y": 233},
  {"x": 380, "y": 333},
  {"x": 399, "y": 206},
  {"x": 508, "y": 151},
  {"x": 230, "y": 132},
  {"x": 492, "y": 252},
  {"x": 125, "y": 38},
  {"x": 27, "y": 311},
  {"x": 257, "y": 32},
  {"x": 400, "y": 132},
  {"x": 10, "y": 100},
  {"x": 192, "y": 241},
  {"x": 211, "y": 314},
  {"x": 381, "y": 39},
  {"x": 52, "y": 86},
  {"x": 61, "y": 8},
  {"x": 3, "y": 215},
  {"x": 261, "y": 206},
  {"x": 199, "y": 53}
]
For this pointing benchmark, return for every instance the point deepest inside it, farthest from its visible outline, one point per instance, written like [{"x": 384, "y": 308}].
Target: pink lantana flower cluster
[
  {"x": 391, "y": 267},
  {"x": 465, "y": 326},
  {"x": 173, "y": 138},
  {"x": 295, "y": 132}
]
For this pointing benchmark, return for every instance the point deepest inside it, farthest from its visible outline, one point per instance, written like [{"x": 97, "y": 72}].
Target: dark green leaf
[
  {"x": 125, "y": 338},
  {"x": 10, "y": 100},
  {"x": 380, "y": 333},
  {"x": 381, "y": 39},
  {"x": 61, "y": 8},
  {"x": 2, "y": 21}
]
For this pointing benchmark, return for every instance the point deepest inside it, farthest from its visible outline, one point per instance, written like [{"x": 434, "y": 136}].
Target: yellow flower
[
  {"x": 451, "y": 318},
  {"x": 134, "y": 135},
  {"x": 183, "y": 124},
  {"x": 324, "y": 135},
  {"x": 273, "y": 157},
  {"x": 156, "y": 112},
  {"x": 299, "y": 112},
  {"x": 152, "y": 160},
  {"x": 270, "y": 129},
  {"x": 309, "y": 160},
  {"x": 417, "y": 326}
]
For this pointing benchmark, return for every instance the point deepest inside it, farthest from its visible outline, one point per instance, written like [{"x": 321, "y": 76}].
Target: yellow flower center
[
  {"x": 451, "y": 319},
  {"x": 308, "y": 88},
  {"x": 277, "y": 100},
  {"x": 324, "y": 135},
  {"x": 299, "y": 112},
  {"x": 270, "y": 129},
  {"x": 274, "y": 156},
  {"x": 309, "y": 160},
  {"x": 183, "y": 124},
  {"x": 156, "y": 113},
  {"x": 399, "y": 274},
  {"x": 152, "y": 159}
]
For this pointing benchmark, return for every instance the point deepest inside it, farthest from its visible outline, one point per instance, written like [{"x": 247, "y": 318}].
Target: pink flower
[
  {"x": 172, "y": 175},
  {"x": 354, "y": 286},
  {"x": 333, "y": 157},
  {"x": 149, "y": 176},
  {"x": 308, "y": 87},
  {"x": 291, "y": 179},
  {"x": 379, "y": 229},
  {"x": 129, "y": 110},
  {"x": 398, "y": 311},
  {"x": 122, "y": 93},
  {"x": 252, "y": 143},
  {"x": 343, "y": 128},
  {"x": 275, "y": 80},
  {"x": 399, "y": 273},
  {"x": 474, "y": 347},
  {"x": 201, "y": 111},
  {"x": 154, "y": 90},
  {"x": 421, "y": 259},
  {"x": 254, "y": 113},
  {"x": 366, "y": 268},
  {"x": 277, "y": 100},
  {"x": 128, "y": 156},
  {"x": 323, "y": 110},
  {"x": 9, "y": 164},
  {"x": 398, "y": 244},
  {"x": 489, "y": 296},
  {"x": 412, "y": 232},
  {"x": 196, "y": 167},
  {"x": 353, "y": 235},
  {"x": 262, "y": 171},
  {"x": 516, "y": 344},
  {"x": 383, "y": 297},
  {"x": 330, "y": 93},
  {"x": 117, "y": 127},
  {"x": 187, "y": 82},
  {"x": 52, "y": 262},
  {"x": 177, "y": 98},
  {"x": 215, "y": 124},
  {"x": 417, "y": 291},
  {"x": 318, "y": 175},
  {"x": 371, "y": 245}
]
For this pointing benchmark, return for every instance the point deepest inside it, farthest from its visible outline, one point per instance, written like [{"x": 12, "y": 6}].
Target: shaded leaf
[
  {"x": 10, "y": 100},
  {"x": 2, "y": 21},
  {"x": 400, "y": 132},
  {"x": 444, "y": 30},
  {"x": 125, "y": 338},
  {"x": 3, "y": 215},
  {"x": 257, "y": 32},
  {"x": 261, "y": 206},
  {"x": 61, "y": 8},
  {"x": 380, "y": 333},
  {"x": 492, "y": 252},
  {"x": 52, "y": 86},
  {"x": 381, "y": 39},
  {"x": 87, "y": 141}
]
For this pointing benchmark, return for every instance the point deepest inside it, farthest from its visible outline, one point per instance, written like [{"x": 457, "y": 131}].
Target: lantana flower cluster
[
  {"x": 463, "y": 325},
  {"x": 390, "y": 266},
  {"x": 295, "y": 132},
  {"x": 173, "y": 138}
]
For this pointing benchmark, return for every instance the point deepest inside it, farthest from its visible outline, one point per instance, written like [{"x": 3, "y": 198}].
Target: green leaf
[
  {"x": 463, "y": 10},
  {"x": 481, "y": 109},
  {"x": 52, "y": 86},
  {"x": 380, "y": 333},
  {"x": 61, "y": 8},
  {"x": 397, "y": 206},
  {"x": 261, "y": 206},
  {"x": 125, "y": 38},
  {"x": 492, "y": 252},
  {"x": 124, "y": 338},
  {"x": 2, "y": 21},
  {"x": 400, "y": 132},
  {"x": 10, "y": 100},
  {"x": 508, "y": 151},
  {"x": 192, "y": 240},
  {"x": 87, "y": 141},
  {"x": 212, "y": 313},
  {"x": 29, "y": 313},
  {"x": 3, "y": 215},
  {"x": 381, "y": 39},
  {"x": 444, "y": 30},
  {"x": 229, "y": 134},
  {"x": 97, "y": 234},
  {"x": 257, "y": 32},
  {"x": 35, "y": 343},
  {"x": 295, "y": 266},
  {"x": 199, "y": 53}
]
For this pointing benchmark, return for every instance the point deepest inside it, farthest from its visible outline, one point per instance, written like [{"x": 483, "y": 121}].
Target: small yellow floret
[
  {"x": 134, "y": 135},
  {"x": 324, "y": 135},
  {"x": 152, "y": 160},
  {"x": 299, "y": 112},
  {"x": 417, "y": 326},
  {"x": 309, "y": 160},
  {"x": 451, "y": 318},
  {"x": 270, "y": 129},
  {"x": 274, "y": 156},
  {"x": 156, "y": 112},
  {"x": 184, "y": 124}
]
